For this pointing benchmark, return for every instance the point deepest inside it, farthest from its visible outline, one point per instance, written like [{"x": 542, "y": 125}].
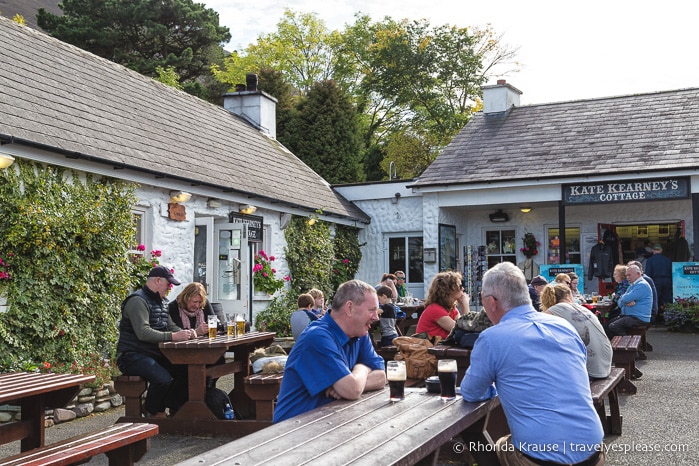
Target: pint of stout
[
  {"x": 396, "y": 375},
  {"x": 446, "y": 369}
]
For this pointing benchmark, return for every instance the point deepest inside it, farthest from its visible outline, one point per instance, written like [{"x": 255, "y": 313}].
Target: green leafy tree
[
  {"x": 301, "y": 49},
  {"x": 326, "y": 134},
  {"x": 142, "y": 34}
]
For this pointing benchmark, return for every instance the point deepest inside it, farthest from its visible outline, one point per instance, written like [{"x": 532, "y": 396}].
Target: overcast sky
[{"x": 569, "y": 50}]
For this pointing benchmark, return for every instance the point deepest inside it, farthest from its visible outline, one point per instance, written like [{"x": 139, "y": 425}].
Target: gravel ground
[{"x": 659, "y": 426}]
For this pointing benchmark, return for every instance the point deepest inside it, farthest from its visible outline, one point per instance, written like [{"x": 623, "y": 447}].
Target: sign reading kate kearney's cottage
[{"x": 657, "y": 189}]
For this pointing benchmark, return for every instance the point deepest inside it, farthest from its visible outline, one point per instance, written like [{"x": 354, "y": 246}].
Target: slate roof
[
  {"x": 616, "y": 135},
  {"x": 59, "y": 97}
]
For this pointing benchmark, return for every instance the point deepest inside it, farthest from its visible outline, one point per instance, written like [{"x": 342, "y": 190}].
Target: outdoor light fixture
[
  {"x": 311, "y": 221},
  {"x": 526, "y": 210},
  {"x": 179, "y": 196},
  {"x": 5, "y": 159},
  {"x": 247, "y": 209},
  {"x": 499, "y": 216}
]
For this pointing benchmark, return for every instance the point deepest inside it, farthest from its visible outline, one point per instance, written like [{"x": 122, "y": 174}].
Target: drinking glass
[
  {"x": 230, "y": 326},
  {"x": 239, "y": 325},
  {"x": 396, "y": 375},
  {"x": 213, "y": 326},
  {"x": 446, "y": 369}
]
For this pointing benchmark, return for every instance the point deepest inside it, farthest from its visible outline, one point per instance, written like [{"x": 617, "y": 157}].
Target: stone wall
[{"x": 88, "y": 400}]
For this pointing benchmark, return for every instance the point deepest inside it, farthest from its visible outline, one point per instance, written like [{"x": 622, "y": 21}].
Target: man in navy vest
[{"x": 145, "y": 322}]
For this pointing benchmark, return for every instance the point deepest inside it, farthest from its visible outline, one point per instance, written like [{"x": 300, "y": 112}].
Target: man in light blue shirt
[
  {"x": 635, "y": 304},
  {"x": 538, "y": 365}
]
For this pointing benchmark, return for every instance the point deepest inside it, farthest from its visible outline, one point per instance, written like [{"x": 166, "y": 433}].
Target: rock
[
  {"x": 84, "y": 392},
  {"x": 86, "y": 399},
  {"x": 102, "y": 407},
  {"x": 101, "y": 393},
  {"x": 63, "y": 415},
  {"x": 6, "y": 417},
  {"x": 117, "y": 400},
  {"x": 83, "y": 409},
  {"x": 48, "y": 422},
  {"x": 110, "y": 387}
]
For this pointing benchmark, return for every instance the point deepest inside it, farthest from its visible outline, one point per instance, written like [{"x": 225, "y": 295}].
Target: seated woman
[
  {"x": 191, "y": 309},
  {"x": 440, "y": 314},
  {"x": 304, "y": 316},
  {"x": 557, "y": 300},
  {"x": 574, "y": 281}
]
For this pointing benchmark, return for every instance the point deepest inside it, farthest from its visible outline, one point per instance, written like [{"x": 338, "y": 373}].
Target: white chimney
[
  {"x": 257, "y": 107},
  {"x": 500, "y": 97}
]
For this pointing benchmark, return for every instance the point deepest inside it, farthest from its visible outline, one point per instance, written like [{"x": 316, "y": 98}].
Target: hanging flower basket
[{"x": 531, "y": 245}]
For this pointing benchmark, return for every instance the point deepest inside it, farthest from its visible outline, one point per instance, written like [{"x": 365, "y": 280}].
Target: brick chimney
[
  {"x": 256, "y": 107},
  {"x": 500, "y": 97}
]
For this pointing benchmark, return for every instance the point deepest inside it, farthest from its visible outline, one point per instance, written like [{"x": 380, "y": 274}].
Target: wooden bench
[
  {"x": 263, "y": 390},
  {"x": 645, "y": 346},
  {"x": 131, "y": 388},
  {"x": 625, "y": 353},
  {"x": 607, "y": 388},
  {"x": 124, "y": 444}
]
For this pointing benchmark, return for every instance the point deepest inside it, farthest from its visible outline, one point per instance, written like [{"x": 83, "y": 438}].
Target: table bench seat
[
  {"x": 124, "y": 444},
  {"x": 645, "y": 346},
  {"x": 607, "y": 388},
  {"x": 626, "y": 350},
  {"x": 131, "y": 388},
  {"x": 263, "y": 390}
]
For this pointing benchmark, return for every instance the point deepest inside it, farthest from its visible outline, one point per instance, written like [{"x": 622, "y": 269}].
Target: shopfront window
[
  {"x": 500, "y": 246},
  {"x": 572, "y": 249}
]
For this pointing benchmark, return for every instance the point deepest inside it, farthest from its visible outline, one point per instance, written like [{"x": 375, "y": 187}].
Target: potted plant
[
  {"x": 263, "y": 274},
  {"x": 682, "y": 315}
]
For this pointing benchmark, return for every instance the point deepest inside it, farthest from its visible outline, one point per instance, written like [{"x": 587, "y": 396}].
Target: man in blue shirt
[
  {"x": 538, "y": 364},
  {"x": 635, "y": 304},
  {"x": 654, "y": 308},
  {"x": 334, "y": 357}
]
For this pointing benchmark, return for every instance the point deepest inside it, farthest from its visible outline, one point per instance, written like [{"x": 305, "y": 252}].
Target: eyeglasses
[{"x": 400, "y": 278}]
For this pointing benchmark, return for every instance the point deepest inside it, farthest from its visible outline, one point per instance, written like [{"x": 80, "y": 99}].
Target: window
[
  {"x": 572, "y": 246},
  {"x": 141, "y": 231},
  {"x": 405, "y": 253},
  {"x": 500, "y": 246}
]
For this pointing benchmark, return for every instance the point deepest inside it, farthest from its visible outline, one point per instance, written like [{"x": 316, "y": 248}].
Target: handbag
[
  {"x": 419, "y": 364},
  {"x": 467, "y": 329}
]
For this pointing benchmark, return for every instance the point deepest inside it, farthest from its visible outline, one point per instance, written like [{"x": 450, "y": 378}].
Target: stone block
[
  {"x": 117, "y": 400},
  {"x": 63, "y": 415},
  {"x": 100, "y": 407},
  {"x": 84, "y": 409}
]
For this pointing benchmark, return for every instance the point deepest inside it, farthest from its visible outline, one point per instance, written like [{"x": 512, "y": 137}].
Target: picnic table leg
[
  {"x": 615, "y": 419},
  {"x": 32, "y": 409},
  {"x": 195, "y": 406},
  {"x": 128, "y": 455},
  {"x": 241, "y": 401}
]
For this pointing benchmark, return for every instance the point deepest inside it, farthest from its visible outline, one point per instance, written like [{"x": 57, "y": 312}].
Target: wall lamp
[
  {"x": 394, "y": 199},
  {"x": 247, "y": 209},
  {"x": 179, "y": 196},
  {"x": 499, "y": 216},
  {"x": 5, "y": 159},
  {"x": 526, "y": 210}
]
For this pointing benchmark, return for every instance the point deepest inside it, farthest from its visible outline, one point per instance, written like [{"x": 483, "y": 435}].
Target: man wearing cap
[
  {"x": 535, "y": 288},
  {"x": 145, "y": 322},
  {"x": 659, "y": 268}
]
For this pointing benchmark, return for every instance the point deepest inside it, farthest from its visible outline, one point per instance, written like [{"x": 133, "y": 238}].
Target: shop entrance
[{"x": 634, "y": 241}]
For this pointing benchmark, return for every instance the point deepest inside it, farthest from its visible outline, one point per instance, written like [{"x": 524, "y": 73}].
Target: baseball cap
[
  {"x": 163, "y": 272},
  {"x": 539, "y": 280},
  {"x": 657, "y": 247}
]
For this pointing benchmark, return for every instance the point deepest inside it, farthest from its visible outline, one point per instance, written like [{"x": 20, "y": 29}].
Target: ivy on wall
[
  {"x": 315, "y": 261},
  {"x": 68, "y": 238}
]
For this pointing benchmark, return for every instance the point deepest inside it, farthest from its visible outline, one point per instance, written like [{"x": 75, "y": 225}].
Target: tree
[
  {"x": 325, "y": 134},
  {"x": 142, "y": 34},
  {"x": 302, "y": 50}
]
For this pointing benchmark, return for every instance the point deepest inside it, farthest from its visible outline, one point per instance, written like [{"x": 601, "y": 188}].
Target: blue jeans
[{"x": 167, "y": 383}]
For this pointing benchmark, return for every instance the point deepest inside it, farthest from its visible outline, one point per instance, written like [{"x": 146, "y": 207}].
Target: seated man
[
  {"x": 145, "y": 322},
  {"x": 538, "y": 364},
  {"x": 635, "y": 304},
  {"x": 334, "y": 357},
  {"x": 304, "y": 316}
]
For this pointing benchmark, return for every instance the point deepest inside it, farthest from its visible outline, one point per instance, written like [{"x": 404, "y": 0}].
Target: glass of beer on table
[
  {"x": 240, "y": 325},
  {"x": 396, "y": 375},
  {"x": 446, "y": 369},
  {"x": 213, "y": 326},
  {"x": 230, "y": 326}
]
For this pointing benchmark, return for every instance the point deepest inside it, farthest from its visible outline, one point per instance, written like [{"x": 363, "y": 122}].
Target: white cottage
[{"x": 214, "y": 187}]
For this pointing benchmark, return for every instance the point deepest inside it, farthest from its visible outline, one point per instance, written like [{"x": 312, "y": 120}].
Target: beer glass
[
  {"x": 230, "y": 326},
  {"x": 396, "y": 375},
  {"x": 213, "y": 326},
  {"x": 446, "y": 369},
  {"x": 240, "y": 325}
]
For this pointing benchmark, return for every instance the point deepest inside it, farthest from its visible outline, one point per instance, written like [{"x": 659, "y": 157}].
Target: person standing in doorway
[{"x": 659, "y": 268}]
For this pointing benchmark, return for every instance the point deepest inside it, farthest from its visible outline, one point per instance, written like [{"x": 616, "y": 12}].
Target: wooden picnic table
[
  {"x": 201, "y": 356},
  {"x": 34, "y": 392},
  {"x": 370, "y": 431},
  {"x": 403, "y": 324}
]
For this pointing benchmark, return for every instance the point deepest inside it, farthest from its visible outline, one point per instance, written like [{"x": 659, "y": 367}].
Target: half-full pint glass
[
  {"x": 396, "y": 375},
  {"x": 240, "y": 325},
  {"x": 446, "y": 369},
  {"x": 213, "y": 326}
]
